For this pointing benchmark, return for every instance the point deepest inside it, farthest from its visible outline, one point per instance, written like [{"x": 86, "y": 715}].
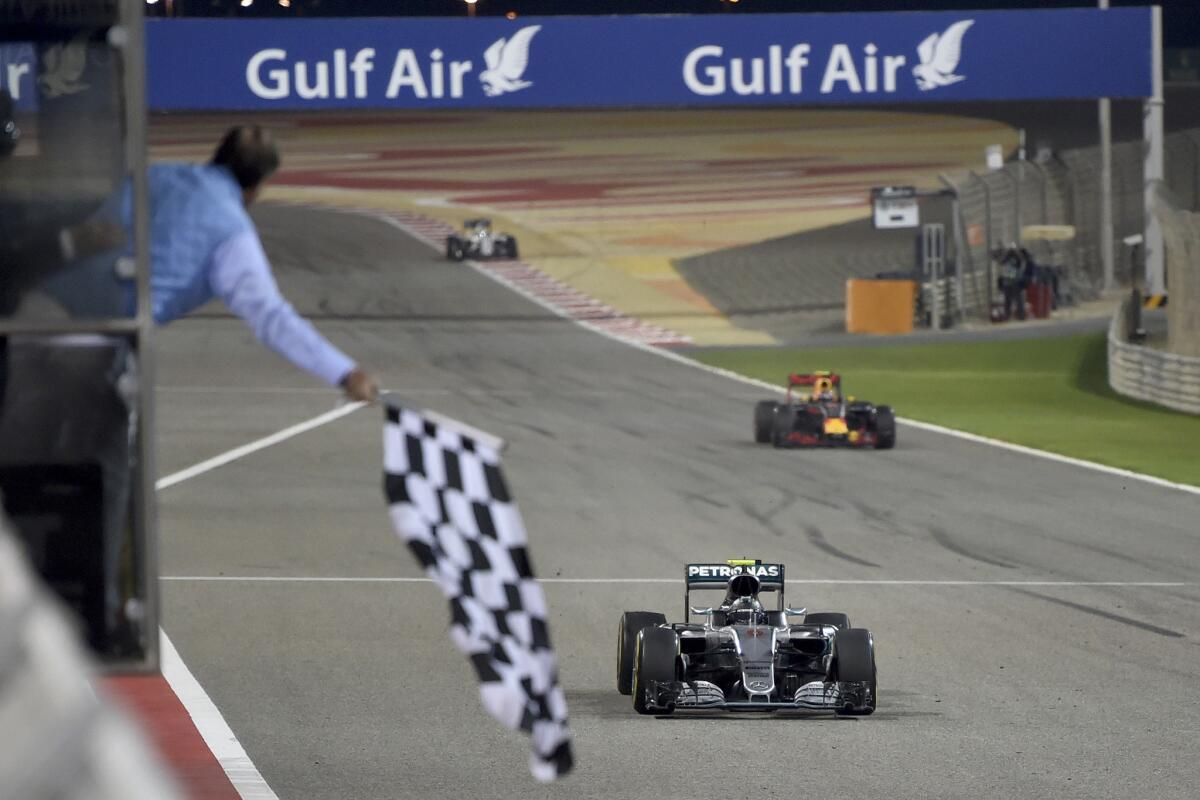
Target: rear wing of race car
[
  {"x": 807, "y": 380},
  {"x": 716, "y": 576},
  {"x": 810, "y": 378}
]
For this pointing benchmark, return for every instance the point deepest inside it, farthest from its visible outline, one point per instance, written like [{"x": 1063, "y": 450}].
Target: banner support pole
[{"x": 1152, "y": 119}]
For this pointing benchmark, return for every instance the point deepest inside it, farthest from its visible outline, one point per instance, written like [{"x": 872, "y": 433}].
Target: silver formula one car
[
  {"x": 478, "y": 241},
  {"x": 744, "y": 657}
]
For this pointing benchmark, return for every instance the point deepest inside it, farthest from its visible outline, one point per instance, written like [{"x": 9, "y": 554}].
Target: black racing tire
[
  {"x": 785, "y": 422},
  {"x": 656, "y": 659},
  {"x": 836, "y": 619},
  {"x": 764, "y": 420},
  {"x": 885, "y": 428},
  {"x": 454, "y": 249},
  {"x": 854, "y": 662},
  {"x": 511, "y": 250},
  {"x": 631, "y": 625}
]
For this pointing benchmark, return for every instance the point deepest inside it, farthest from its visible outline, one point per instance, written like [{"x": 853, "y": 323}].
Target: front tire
[
  {"x": 655, "y": 661},
  {"x": 632, "y": 623},
  {"x": 764, "y": 420},
  {"x": 454, "y": 249},
  {"x": 854, "y": 663},
  {"x": 885, "y": 428}
]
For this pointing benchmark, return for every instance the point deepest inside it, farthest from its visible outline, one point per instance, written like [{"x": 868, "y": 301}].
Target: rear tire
[
  {"x": 764, "y": 420},
  {"x": 656, "y": 660},
  {"x": 836, "y": 619},
  {"x": 454, "y": 249},
  {"x": 885, "y": 428},
  {"x": 631, "y": 625},
  {"x": 512, "y": 248},
  {"x": 854, "y": 662}
]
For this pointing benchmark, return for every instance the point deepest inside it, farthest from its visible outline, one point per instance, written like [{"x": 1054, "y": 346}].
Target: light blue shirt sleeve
[{"x": 241, "y": 277}]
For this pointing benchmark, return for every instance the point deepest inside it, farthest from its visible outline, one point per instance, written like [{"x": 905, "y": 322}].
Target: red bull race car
[
  {"x": 743, "y": 656},
  {"x": 817, "y": 414}
]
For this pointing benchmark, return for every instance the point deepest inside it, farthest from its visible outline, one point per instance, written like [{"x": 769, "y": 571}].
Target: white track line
[
  {"x": 925, "y": 426},
  {"x": 259, "y": 444},
  {"x": 216, "y": 733},
  {"x": 805, "y": 581},
  {"x": 230, "y": 754}
]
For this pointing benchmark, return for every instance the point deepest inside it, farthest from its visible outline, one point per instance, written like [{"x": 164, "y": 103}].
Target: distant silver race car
[
  {"x": 478, "y": 241},
  {"x": 744, "y": 657}
]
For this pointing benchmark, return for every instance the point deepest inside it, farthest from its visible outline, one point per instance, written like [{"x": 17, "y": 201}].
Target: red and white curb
[{"x": 551, "y": 293}]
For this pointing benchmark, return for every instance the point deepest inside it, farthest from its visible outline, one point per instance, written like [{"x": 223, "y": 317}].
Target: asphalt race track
[{"x": 627, "y": 464}]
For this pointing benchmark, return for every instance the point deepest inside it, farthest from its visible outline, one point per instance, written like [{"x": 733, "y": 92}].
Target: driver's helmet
[
  {"x": 746, "y": 611},
  {"x": 823, "y": 390}
]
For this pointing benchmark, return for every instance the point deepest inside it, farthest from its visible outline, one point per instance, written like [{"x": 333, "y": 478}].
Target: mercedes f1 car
[
  {"x": 744, "y": 657},
  {"x": 817, "y": 414},
  {"x": 478, "y": 241}
]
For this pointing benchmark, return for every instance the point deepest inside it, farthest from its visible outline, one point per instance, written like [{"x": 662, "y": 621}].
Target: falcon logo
[
  {"x": 506, "y": 61},
  {"x": 940, "y": 56},
  {"x": 63, "y": 66}
]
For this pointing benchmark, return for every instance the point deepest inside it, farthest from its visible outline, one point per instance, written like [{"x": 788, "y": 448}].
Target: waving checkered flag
[{"x": 449, "y": 503}]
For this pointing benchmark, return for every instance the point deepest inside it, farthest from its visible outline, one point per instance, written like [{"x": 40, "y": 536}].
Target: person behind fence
[
  {"x": 1014, "y": 277},
  {"x": 203, "y": 244}
]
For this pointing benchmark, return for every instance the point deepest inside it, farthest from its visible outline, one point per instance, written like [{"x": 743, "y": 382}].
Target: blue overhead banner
[{"x": 580, "y": 62}]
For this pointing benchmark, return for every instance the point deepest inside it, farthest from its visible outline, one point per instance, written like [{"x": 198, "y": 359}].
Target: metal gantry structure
[{"x": 86, "y": 83}]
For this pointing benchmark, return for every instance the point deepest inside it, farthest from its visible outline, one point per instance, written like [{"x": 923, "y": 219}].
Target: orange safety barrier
[{"x": 877, "y": 306}]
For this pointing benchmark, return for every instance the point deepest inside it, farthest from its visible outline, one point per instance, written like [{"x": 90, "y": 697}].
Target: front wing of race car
[
  {"x": 814, "y": 696},
  {"x": 810, "y": 425},
  {"x": 838, "y": 437}
]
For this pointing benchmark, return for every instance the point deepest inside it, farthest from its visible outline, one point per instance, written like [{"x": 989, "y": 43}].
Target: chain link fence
[
  {"x": 1063, "y": 189},
  {"x": 1181, "y": 235}
]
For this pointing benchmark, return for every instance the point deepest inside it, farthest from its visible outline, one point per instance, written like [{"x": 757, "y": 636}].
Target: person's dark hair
[{"x": 248, "y": 153}]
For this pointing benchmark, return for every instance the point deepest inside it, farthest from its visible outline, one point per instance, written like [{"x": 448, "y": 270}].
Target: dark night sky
[{"x": 1181, "y": 18}]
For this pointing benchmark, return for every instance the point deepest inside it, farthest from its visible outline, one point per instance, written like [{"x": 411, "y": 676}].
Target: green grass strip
[{"x": 1051, "y": 394}]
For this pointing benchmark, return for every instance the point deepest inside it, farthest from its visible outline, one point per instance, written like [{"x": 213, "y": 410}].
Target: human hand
[{"x": 361, "y": 386}]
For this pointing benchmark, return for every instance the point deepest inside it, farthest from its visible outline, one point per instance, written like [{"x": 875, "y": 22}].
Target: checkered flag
[{"x": 449, "y": 503}]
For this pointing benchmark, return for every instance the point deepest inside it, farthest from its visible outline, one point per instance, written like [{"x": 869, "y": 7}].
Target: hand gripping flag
[{"x": 449, "y": 503}]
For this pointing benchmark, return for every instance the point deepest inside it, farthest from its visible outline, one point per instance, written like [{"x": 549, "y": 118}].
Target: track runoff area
[{"x": 1035, "y": 620}]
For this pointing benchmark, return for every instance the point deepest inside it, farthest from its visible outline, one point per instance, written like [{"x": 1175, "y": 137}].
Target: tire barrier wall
[
  {"x": 1143, "y": 373},
  {"x": 1064, "y": 189},
  {"x": 57, "y": 737}
]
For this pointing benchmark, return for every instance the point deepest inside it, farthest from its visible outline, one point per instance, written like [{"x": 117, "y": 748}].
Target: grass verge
[{"x": 1051, "y": 394}]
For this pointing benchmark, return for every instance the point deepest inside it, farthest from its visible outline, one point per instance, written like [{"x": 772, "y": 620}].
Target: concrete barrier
[{"x": 1143, "y": 373}]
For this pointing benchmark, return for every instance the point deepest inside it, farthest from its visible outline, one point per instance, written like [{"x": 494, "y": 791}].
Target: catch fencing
[
  {"x": 1064, "y": 189},
  {"x": 1181, "y": 236},
  {"x": 58, "y": 739},
  {"x": 1169, "y": 377}
]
